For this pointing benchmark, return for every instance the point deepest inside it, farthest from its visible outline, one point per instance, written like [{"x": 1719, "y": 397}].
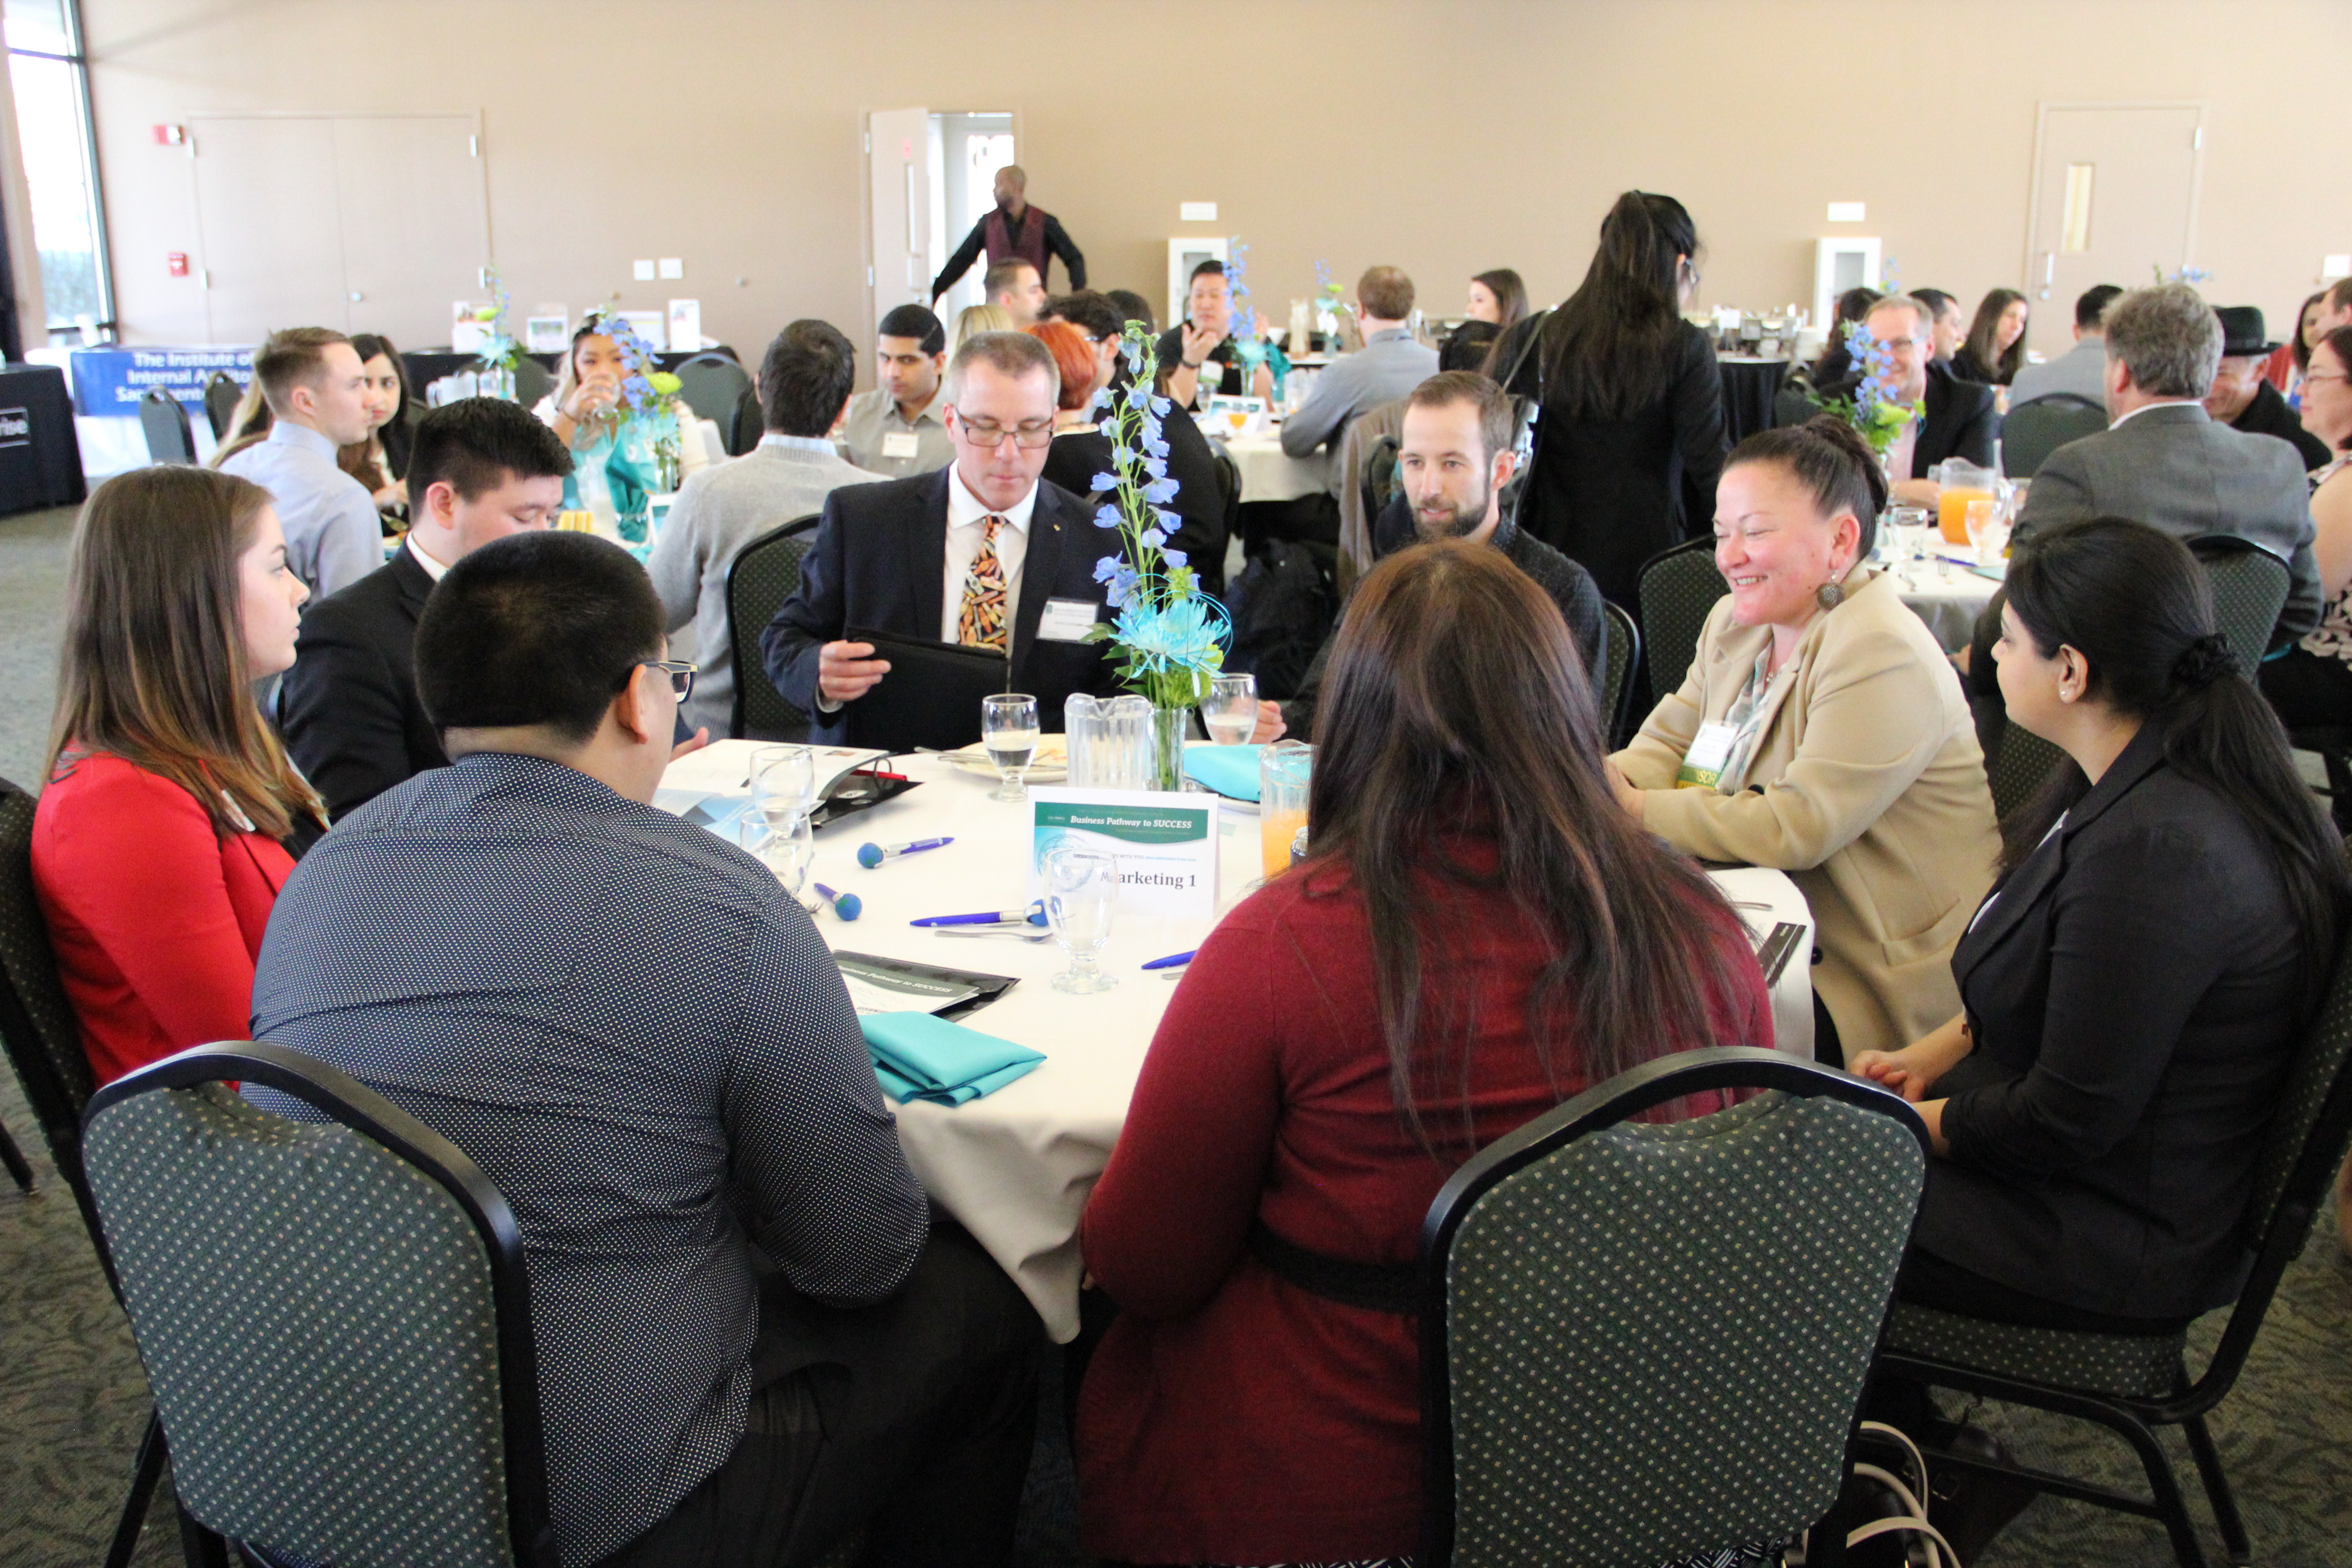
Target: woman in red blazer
[
  {"x": 157, "y": 847},
  {"x": 1476, "y": 937}
]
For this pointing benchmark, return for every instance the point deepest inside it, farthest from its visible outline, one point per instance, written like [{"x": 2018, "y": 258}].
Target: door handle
[{"x": 2048, "y": 270}]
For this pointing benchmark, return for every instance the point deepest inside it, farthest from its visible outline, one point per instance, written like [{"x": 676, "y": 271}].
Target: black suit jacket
[
  {"x": 2133, "y": 990},
  {"x": 349, "y": 709},
  {"x": 878, "y": 562},
  {"x": 1074, "y": 459},
  {"x": 1961, "y": 419},
  {"x": 2269, "y": 415}
]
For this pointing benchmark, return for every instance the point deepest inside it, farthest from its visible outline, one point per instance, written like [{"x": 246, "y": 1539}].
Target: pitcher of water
[{"x": 1110, "y": 741}]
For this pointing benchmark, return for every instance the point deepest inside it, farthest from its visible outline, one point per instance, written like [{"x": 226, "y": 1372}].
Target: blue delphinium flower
[
  {"x": 1107, "y": 517},
  {"x": 1104, "y": 482}
]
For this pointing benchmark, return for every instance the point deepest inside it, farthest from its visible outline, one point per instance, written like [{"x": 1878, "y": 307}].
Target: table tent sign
[{"x": 1166, "y": 843}]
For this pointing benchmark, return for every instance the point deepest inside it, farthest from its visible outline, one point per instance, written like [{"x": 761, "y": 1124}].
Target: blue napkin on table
[
  {"x": 919, "y": 1056},
  {"x": 1231, "y": 771}
]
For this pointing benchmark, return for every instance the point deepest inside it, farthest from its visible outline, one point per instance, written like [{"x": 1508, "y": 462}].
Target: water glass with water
[
  {"x": 1081, "y": 896},
  {"x": 1008, "y": 729},
  {"x": 783, "y": 783},
  {"x": 1229, "y": 713}
]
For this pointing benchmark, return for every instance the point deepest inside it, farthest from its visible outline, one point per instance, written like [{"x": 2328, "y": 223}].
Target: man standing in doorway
[{"x": 1012, "y": 231}]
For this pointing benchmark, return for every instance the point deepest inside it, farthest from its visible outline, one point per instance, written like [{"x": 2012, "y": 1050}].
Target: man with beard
[
  {"x": 1012, "y": 230},
  {"x": 1453, "y": 459}
]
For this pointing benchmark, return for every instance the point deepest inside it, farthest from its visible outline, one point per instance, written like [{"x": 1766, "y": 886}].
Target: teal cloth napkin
[
  {"x": 1231, "y": 771},
  {"x": 920, "y": 1056}
]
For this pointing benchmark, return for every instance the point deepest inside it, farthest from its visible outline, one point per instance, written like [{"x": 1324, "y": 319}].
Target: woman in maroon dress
[{"x": 1478, "y": 935}]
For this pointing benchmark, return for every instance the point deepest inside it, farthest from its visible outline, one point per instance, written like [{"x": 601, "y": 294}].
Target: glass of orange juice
[
  {"x": 1952, "y": 511},
  {"x": 1284, "y": 770}
]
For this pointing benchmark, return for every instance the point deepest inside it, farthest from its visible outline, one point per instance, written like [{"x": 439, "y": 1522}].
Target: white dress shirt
[
  {"x": 967, "y": 529},
  {"x": 333, "y": 535},
  {"x": 433, "y": 568}
]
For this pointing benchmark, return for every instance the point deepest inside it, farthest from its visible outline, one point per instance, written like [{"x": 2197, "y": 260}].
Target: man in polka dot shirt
[{"x": 752, "y": 1337}]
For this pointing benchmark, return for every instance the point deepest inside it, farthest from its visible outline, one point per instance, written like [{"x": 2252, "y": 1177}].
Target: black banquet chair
[
  {"x": 2134, "y": 1384},
  {"x": 1619, "y": 659},
  {"x": 1677, "y": 589},
  {"x": 1698, "y": 1301},
  {"x": 2035, "y": 428},
  {"x": 164, "y": 423},
  {"x": 222, "y": 393},
  {"x": 407, "y": 1428},
  {"x": 764, "y": 575}
]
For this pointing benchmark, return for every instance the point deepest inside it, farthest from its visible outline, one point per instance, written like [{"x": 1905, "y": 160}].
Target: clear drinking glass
[
  {"x": 783, "y": 783},
  {"x": 1979, "y": 522},
  {"x": 1081, "y": 895},
  {"x": 786, "y": 849},
  {"x": 1008, "y": 728},
  {"x": 1229, "y": 711}
]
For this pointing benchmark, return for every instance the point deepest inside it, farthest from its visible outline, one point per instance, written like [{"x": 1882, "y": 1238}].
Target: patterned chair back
[
  {"x": 1677, "y": 587},
  {"x": 2250, "y": 587},
  {"x": 766, "y": 572},
  {"x": 712, "y": 384},
  {"x": 2019, "y": 761},
  {"x": 1645, "y": 1343},
  {"x": 2035, "y": 428},
  {"x": 334, "y": 1316},
  {"x": 749, "y": 424},
  {"x": 37, "y": 1021},
  {"x": 1618, "y": 659}
]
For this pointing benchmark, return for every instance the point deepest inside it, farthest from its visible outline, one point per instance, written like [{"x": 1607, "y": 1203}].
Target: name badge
[
  {"x": 1703, "y": 763},
  {"x": 900, "y": 444},
  {"x": 1066, "y": 620}
]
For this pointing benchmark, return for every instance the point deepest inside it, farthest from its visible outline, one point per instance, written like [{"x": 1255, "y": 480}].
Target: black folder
[{"x": 932, "y": 696}]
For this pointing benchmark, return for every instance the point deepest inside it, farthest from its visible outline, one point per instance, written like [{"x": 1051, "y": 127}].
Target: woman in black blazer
[
  {"x": 2135, "y": 984},
  {"x": 1631, "y": 439}
]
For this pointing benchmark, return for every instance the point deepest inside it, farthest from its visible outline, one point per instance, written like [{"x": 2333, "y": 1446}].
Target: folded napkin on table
[
  {"x": 1231, "y": 771},
  {"x": 920, "y": 1056}
]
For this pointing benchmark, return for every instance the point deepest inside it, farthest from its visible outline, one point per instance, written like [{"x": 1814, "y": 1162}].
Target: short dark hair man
[
  {"x": 2241, "y": 397},
  {"x": 1012, "y": 230},
  {"x": 805, "y": 382},
  {"x": 481, "y": 469},
  {"x": 716, "y": 1187},
  {"x": 1945, "y": 320},
  {"x": 1458, "y": 452},
  {"x": 1205, "y": 337},
  {"x": 895, "y": 430},
  {"x": 317, "y": 390},
  {"x": 1133, "y": 306},
  {"x": 2082, "y": 371},
  {"x": 1016, "y": 287},
  {"x": 985, "y": 554}
]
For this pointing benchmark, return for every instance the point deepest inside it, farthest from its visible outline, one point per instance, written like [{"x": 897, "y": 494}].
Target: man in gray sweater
[
  {"x": 1388, "y": 366},
  {"x": 804, "y": 381}
]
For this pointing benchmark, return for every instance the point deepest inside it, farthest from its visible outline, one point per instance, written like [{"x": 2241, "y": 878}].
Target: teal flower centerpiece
[
  {"x": 1251, "y": 345},
  {"x": 644, "y": 451},
  {"x": 494, "y": 357},
  {"x": 1167, "y": 638},
  {"x": 1878, "y": 419}
]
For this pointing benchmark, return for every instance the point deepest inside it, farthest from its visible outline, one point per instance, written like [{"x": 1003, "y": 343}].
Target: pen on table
[
  {"x": 1173, "y": 961},
  {"x": 1034, "y": 915},
  {"x": 872, "y": 854},
  {"x": 848, "y": 906}
]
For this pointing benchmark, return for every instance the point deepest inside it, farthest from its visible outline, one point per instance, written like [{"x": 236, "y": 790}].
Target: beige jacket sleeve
[
  {"x": 1873, "y": 720},
  {"x": 1652, "y": 758}
]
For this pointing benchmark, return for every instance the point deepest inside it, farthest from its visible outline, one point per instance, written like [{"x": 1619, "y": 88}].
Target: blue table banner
[{"x": 108, "y": 380}]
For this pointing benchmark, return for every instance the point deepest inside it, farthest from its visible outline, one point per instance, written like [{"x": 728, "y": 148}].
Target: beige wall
[{"x": 1445, "y": 136}]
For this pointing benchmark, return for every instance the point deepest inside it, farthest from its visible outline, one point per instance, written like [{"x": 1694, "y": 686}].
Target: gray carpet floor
[{"x": 72, "y": 1399}]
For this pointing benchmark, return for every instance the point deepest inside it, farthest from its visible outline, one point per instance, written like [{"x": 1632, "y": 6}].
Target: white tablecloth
[
  {"x": 1269, "y": 473},
  {"x": 1014, "y": 1169},
  {"x": 1947, "y": 594}
]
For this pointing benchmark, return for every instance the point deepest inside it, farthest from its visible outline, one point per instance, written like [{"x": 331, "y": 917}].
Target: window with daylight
[{"x": 50, "y": 79}]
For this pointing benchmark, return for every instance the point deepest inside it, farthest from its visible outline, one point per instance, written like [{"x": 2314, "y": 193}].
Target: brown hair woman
[{"x": 158, "y": 846}]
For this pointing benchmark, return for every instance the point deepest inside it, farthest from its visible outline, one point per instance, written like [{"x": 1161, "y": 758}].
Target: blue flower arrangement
[
  {"x": 1875, "y": 417},
  {"x": 1169, "y": 639},
  {"x": 647, "y": 426}
]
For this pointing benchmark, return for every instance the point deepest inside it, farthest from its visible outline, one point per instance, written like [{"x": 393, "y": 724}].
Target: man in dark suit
[
  {"x": 2244, "y": 399},
  {"x": 2166, "y": 462},
  {"x": 481, "y": 468},
  {"x": 1957, "y": 419}
]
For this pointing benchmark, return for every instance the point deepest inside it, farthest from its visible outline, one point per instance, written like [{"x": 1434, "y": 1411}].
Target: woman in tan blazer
[{"x": 1821, "y": 730}]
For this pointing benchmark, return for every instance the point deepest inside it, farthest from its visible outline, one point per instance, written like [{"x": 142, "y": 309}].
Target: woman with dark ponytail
[
  {"x": 1630, "y": 438},
  {"x": 1821, "y": 731},
  {"x": 2135, "y": 987}
]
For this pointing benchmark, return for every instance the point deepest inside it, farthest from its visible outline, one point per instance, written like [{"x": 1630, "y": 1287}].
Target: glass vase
[{"x": 1166, "y": 768}]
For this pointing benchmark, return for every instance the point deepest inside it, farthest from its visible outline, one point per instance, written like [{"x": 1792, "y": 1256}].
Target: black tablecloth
[
  {"x": 426, "y": 366},
  {"x": 40, "y": 460},
  {"x": 1749, "y": 389}
]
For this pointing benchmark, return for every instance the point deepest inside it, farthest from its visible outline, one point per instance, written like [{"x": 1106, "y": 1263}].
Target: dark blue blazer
[
  {"x": 2134, "y": 992},
  {"x": 878, "y": 560}
]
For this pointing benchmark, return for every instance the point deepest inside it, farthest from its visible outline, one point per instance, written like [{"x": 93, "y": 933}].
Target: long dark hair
[
  {"x": 2300, "y": 350},
  {"x": 1510, "y": 292},
  {"x": 1984, "y": 334},
  {"x": 1455, "y": 701},
  {"x": 155, "y": 667},
  {"x": 1610, "y": 346},
  {"x": 1853, "y": 306},
  {"x": 2134, "y": 604}
]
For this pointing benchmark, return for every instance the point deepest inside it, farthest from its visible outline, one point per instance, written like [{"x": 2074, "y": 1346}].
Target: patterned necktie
[{"x": 981, "y": 622}]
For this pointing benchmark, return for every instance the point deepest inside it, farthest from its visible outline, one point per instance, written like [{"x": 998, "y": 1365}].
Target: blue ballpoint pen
[
  {"x": 1034, "y": 915},
  {"x": 872, "y": 854},
  {"x": 1173, "y": 961}
]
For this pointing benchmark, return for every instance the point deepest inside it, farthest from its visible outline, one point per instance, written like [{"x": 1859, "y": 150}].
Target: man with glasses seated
[
  {"x": 1955, "y": 419},
  {"x": 984, "y": 553},
  {"x": 754, "y": 1339}
]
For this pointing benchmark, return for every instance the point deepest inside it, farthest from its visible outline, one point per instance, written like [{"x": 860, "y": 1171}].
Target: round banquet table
[
  {"x": 1748, "y": 387},
  {"x": 1015, "y": 1168},
  {"x": 1947, "y": 593},
  {"x": 1269, "y": 473}
]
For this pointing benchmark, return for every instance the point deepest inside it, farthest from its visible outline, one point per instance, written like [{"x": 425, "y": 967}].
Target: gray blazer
[{"x": 2173, "y": 468}]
